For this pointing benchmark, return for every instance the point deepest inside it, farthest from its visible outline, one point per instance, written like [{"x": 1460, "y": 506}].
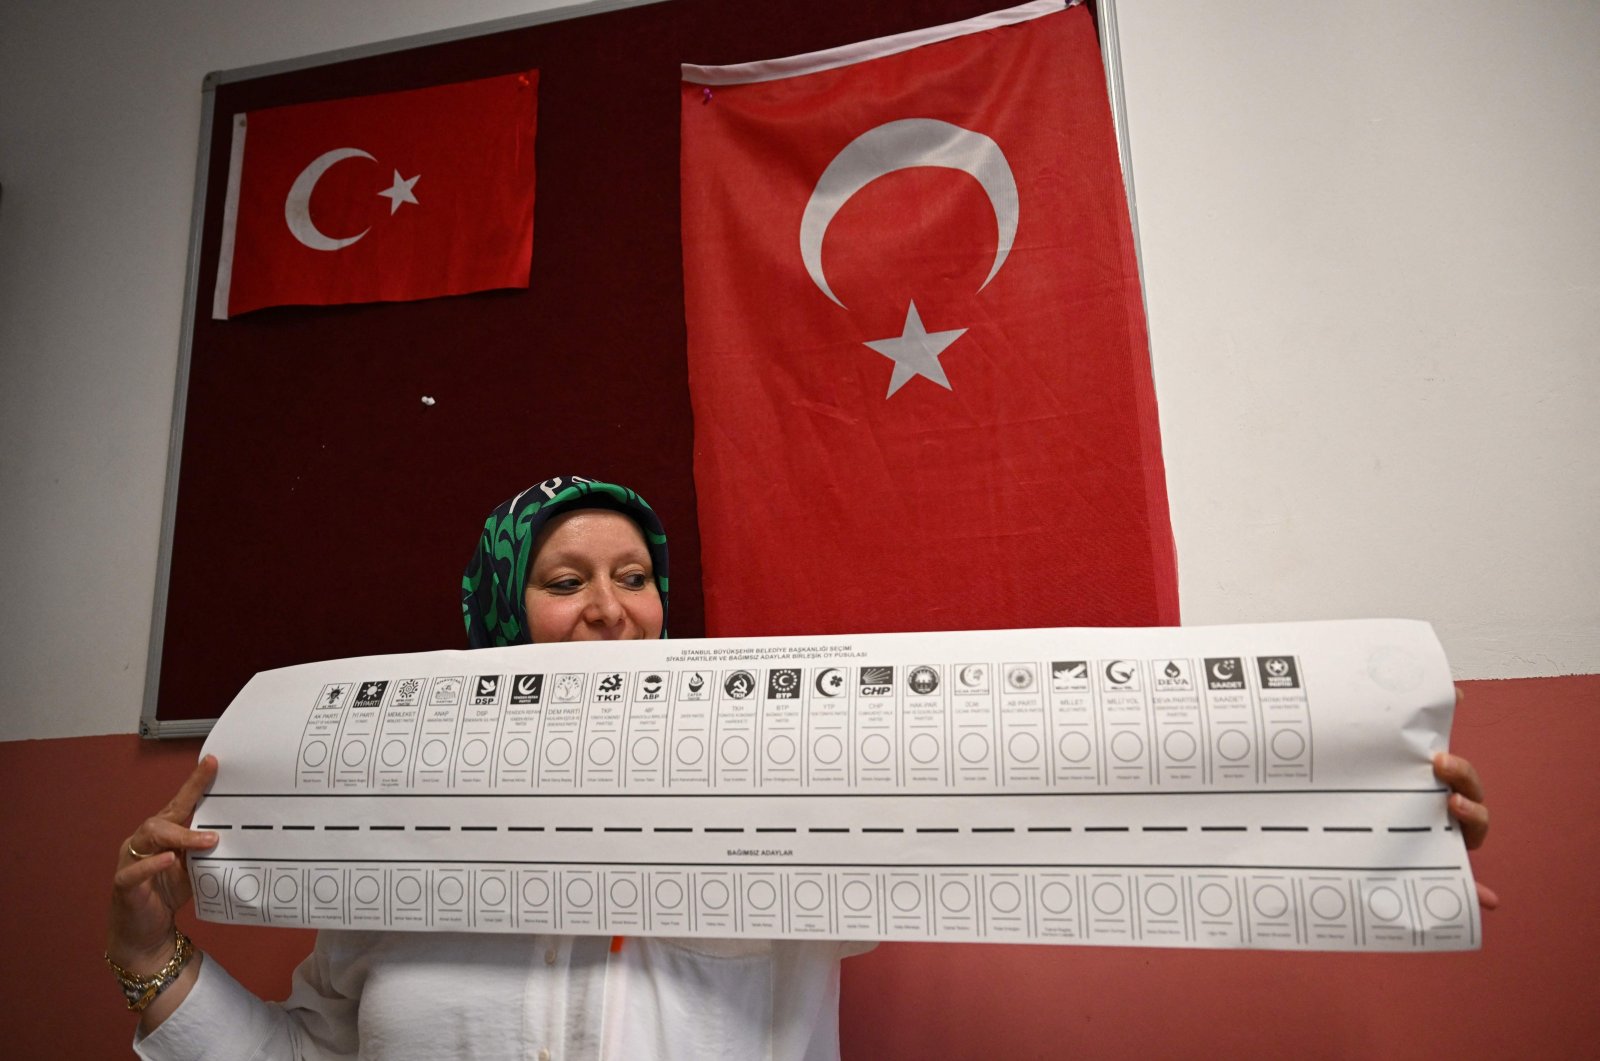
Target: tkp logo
[
  {"x": 877, "y": 681},
  {"x": 527, "y": 688},
  {"x": 608, "y": 690}
]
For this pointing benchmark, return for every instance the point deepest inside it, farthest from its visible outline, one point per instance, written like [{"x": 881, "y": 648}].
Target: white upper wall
[{"x": 1372, "y": 266}]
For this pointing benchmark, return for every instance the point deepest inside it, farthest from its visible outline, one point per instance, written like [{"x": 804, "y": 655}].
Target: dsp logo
[{"x": 877, "y": 681}]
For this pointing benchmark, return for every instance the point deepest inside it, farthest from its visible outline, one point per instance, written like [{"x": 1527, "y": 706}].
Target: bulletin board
[{"x": 316, "y": 506}]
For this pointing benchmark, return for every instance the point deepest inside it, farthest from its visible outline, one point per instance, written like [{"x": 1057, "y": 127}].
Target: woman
[{"x": 571, "y": 559}]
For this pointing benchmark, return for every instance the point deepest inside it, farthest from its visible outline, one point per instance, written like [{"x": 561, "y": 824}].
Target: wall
[{"x": 1373, "y": 280}]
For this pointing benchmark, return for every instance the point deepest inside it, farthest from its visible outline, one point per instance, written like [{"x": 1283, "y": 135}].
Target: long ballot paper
[{"x": 1231, "y": 786}]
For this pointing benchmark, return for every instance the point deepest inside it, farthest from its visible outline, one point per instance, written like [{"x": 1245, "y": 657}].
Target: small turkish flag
[
  {"x": 917, "y": 352},
  {"x": 391, "y": 197}
]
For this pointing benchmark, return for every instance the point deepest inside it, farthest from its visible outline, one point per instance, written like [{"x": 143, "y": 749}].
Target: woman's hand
[
  {"x": 1466, "y": 806},
  {"x": 151, "y": 883}
]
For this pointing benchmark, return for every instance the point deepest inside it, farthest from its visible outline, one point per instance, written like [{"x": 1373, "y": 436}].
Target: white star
[
  {"x": 400, "y": 192},
  {"x": 916, "y": 352}
]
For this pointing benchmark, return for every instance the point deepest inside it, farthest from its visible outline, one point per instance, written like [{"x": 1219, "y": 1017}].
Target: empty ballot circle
[
  {"x": 955, "y": 896},
  {"x": 366, "y": 889},
  {"x": 808, "y": 895},
  {"x": 1327, "y": 903},
  {"x": 1056, "y": 897},
  {"x": 1160, "y": 899},
  {"x": 407, "y": 890},
  {"x": 856, "y": 895},
  {"x": 1442, "y": 903},
  {"x": 1005, "y": 897}
]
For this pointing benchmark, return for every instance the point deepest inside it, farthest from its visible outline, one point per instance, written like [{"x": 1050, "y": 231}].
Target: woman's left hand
[{"x": 1467, "y": 806}]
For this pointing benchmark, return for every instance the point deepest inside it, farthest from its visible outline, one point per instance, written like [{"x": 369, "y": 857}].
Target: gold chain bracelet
[{"x": 141, "y": 989}]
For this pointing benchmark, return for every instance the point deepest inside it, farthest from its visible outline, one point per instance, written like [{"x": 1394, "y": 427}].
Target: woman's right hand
[{"x": 148, "y": 891}]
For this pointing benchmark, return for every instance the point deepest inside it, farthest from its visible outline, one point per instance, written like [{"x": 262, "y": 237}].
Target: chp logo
[
  {"x": 1121, "y": 675},
  {"x": 830, "y": 682},
  {"x": 1224, "y": 672},
  {"x": 783, "y": 683},
  {"x": 487, "y": 689},
  {"x": 652, "y": 687},
  {"x": 1069, "y": 675},
  {"x": 1278, "y": 672},
  {"x": 739, "y": 685},
  {"x": 1172, "y": 676},
  {"x": 877, "y": 681},
  {"x": 922, "y": 680},
  {"x": 527, "y": 688},
  {"x": 370, "y": 694},
  {"x": 694, "y": 685},
  {"x": 608, "y": 688}
]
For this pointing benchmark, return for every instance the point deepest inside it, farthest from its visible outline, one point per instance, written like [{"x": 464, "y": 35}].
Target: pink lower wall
[{"x": 1531, "y": 991}]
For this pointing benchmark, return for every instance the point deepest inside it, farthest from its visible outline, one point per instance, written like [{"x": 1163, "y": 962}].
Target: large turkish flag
[
  {"x": 390, "y": 197},
  {"x": 917, "y": 351}
]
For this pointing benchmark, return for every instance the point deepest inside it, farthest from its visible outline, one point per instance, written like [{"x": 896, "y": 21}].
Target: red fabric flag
[
  {"x": 384, "y": 198},
  {"x": 917, "y": 351}
]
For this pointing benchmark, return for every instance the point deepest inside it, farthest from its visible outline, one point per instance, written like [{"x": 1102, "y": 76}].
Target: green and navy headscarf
[{"x": 491, "y": 589}]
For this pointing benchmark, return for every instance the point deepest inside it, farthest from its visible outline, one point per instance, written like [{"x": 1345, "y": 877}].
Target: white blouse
[{"x": 429, "y": 995}]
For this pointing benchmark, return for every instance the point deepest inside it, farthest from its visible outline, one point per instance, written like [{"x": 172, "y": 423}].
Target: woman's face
[{"x": 591, "y": 580}]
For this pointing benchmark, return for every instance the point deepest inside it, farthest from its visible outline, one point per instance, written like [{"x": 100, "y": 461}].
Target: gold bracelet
[{"x": 141, "y": 989}]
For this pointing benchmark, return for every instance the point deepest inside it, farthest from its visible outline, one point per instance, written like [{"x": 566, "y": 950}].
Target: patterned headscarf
[{"x": 491, "y": 589}]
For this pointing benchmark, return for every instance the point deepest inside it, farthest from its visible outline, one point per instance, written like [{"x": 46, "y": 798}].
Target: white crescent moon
[
  {"x": 297, "y": 206},
  {"x": 971, "y": 675},
  {"x": 904, "y": 144}
]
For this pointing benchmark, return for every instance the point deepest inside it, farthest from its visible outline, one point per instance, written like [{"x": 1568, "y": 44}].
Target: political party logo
[
  {"x": 608, "y": 689},
  {"x": 408, "y": 693},
  {"x": 696, "y": 685},
  {"x": 1172, "y": 676},
  {"x": 1224, "y": 672},
  {"x": 568, "y": 689},
  {"x": 652, "y": 686},
  {"x": 527, "y": 688},
  {"x": 487, "y": 689},
  {"x": 1121, "y": 675},
  {"x": 332, "y": 696},
  {"x": 1020, "y": 678},
  {"x": 783, "y": 684},
  {"x": 923, "y": 680},
  {"x": 972, "y": 678},
  {"x": 876, "y": 681},
  {"x": 830, "y": 682},
  {"x": 739, "y": 685},
  {"x": 370, "y": 694},
  {"x": 1069, "y": 675},
  {"x": 1278, "y": 672},
  {"x": 446, "y": 692}
]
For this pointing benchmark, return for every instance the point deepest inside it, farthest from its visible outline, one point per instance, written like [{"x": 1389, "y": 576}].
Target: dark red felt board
[{"x": 323, "y": 510}]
